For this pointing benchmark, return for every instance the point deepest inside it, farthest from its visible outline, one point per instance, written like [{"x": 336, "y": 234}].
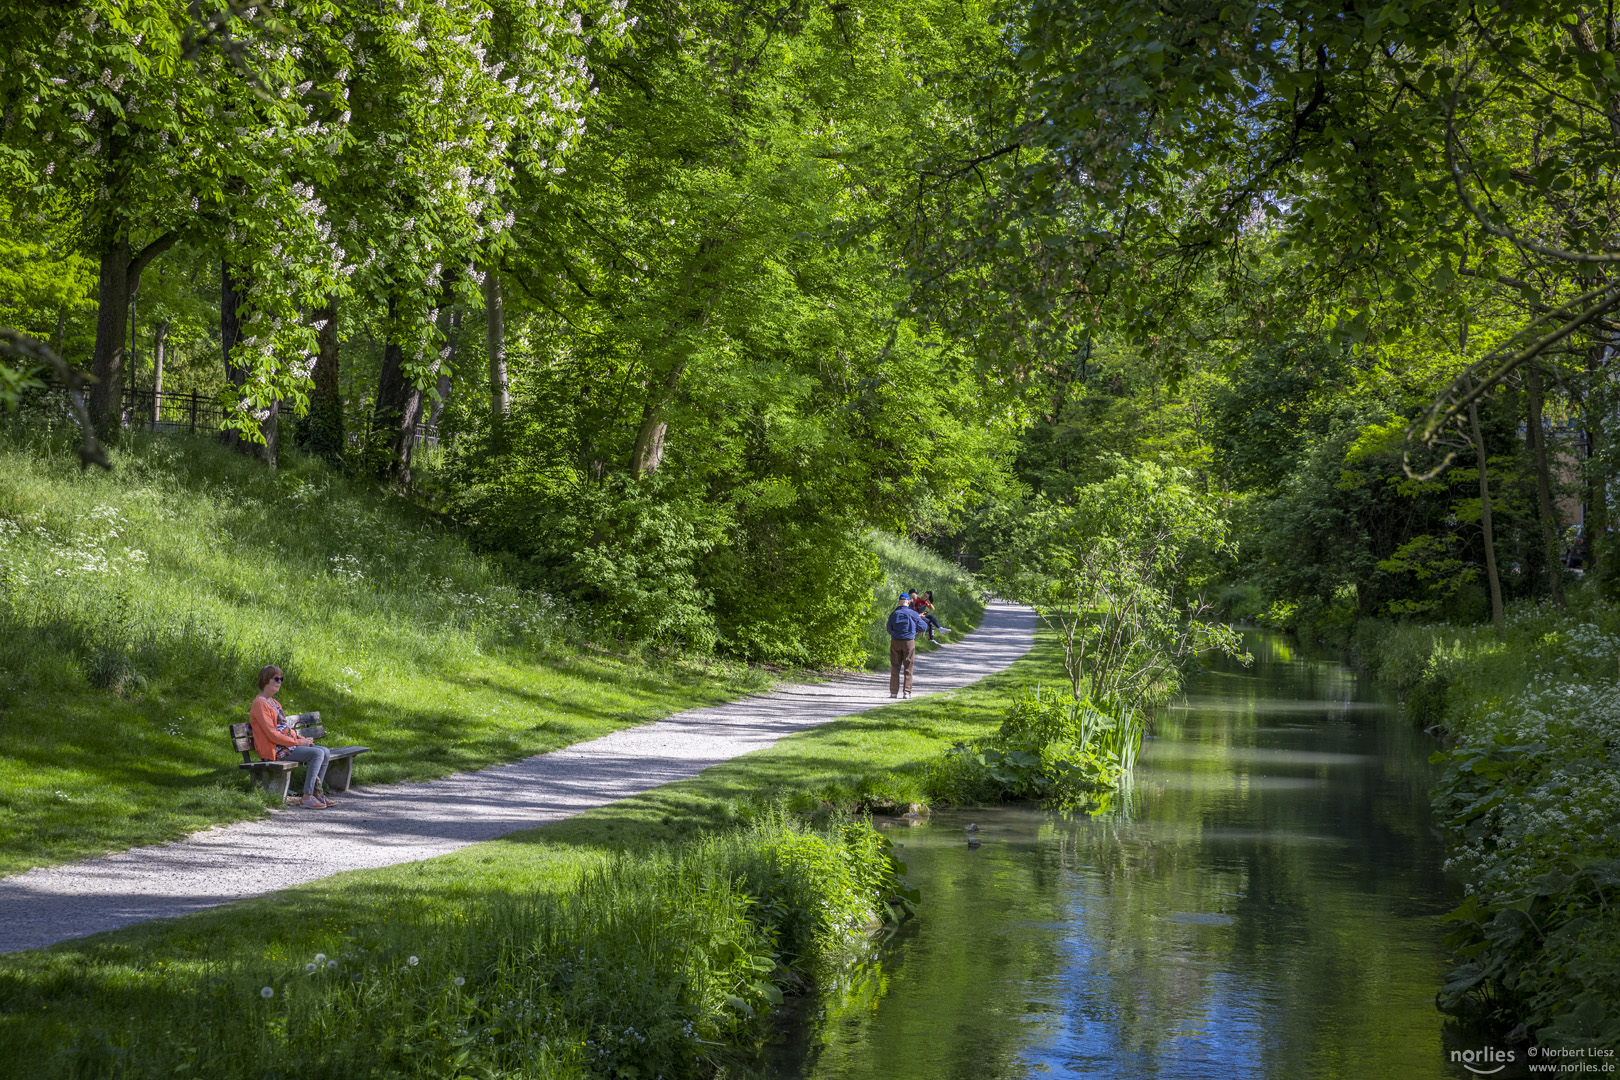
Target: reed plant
[{"x": 1071, "y": 753}]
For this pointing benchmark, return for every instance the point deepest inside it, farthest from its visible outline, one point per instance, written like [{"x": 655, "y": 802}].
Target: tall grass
[
  {"x": 907, "y": 565},
  {"x": 654, "y": 965},
  {"x": 189, "y": 564}
]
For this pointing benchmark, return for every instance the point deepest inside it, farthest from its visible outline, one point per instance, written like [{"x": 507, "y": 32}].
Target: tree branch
[
  {"x": 144, "y": 257},
  {"x": 20, "y": 346}
]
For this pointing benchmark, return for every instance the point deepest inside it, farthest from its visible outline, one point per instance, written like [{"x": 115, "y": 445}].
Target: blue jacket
[{"x": 904, "y": 624}]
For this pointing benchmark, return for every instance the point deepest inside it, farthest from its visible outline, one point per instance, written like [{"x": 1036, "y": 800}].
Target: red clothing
[
  {"x": 269, "y": 728},
  {"x": 921, "y": 606}
]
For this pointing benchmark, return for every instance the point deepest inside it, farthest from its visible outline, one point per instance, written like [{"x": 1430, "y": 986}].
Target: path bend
[{"x": 398, "y": 823}]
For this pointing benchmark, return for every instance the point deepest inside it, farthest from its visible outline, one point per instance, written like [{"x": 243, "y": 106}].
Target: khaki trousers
[{"x": 902, "y": 655}]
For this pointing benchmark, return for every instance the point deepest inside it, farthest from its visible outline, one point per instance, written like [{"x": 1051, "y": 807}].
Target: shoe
[
  {"x": 310, "y": 802},
  {"x": 893, "y": 696}
]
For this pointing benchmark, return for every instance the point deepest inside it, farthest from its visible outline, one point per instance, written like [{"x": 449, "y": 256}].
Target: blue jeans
[{"x": 314, "y": 759}]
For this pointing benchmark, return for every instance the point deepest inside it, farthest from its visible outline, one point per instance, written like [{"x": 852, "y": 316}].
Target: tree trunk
[
  {"x": 500, "y": 404},
  {"x": 230, "y": 324},
  {"x": 324, "y": 426},
  {"x": 1595, "y": 526},
  {"x": 648, "y": 452},
  {"x": 59, "y": 339},
  {"x": 1485, "y": 517},
  {"x": 1544, "y": 501},
  {"x": 120, "y": 278},
  {"x": 441, "y": 389},
  {"x": 399, "y": 406},
  {"x": 230, "y": 332},
  {"x": 232, "y": 302},
  {"x": 270, "y": 431},
  {"x": 112, "y": 313},
  {"x": 160, "y": 338}
]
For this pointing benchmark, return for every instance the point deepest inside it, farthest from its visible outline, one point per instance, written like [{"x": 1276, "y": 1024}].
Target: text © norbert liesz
[{"x": 1489, "y": 1060}]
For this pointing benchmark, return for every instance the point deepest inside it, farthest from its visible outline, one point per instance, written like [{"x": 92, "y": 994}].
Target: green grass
[
  {"x": 147, "y": 1000},
  {"x": 137, "y": 606},
  {"x": 907, "y": 565}
]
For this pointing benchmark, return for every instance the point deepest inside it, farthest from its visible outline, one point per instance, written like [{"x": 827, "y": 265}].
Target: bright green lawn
[{"x": 144, "y": 977}]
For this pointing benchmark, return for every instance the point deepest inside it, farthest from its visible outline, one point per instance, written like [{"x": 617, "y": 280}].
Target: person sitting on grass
[
  {"x": 923, "y": 604},
  {"x": 274, "y": 740}
]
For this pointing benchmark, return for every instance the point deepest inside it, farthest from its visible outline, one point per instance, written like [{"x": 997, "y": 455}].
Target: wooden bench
[{"x": 276, "y": 776}]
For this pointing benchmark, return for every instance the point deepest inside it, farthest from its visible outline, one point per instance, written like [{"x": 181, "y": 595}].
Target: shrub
[
  {"x": 629, "y": 556},
  {"x": 1069, "y": 753},
  {"x": 793, "y": 591}
]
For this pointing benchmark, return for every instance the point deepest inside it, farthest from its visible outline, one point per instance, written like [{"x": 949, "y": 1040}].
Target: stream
[{"x": 1265, "y": 903}]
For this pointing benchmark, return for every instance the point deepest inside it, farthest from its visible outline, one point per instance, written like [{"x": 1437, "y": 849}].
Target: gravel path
[{"x": 399, "y": 823}]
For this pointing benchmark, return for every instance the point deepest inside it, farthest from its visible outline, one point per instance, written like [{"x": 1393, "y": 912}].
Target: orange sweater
[{"x": 266, "y": 737}]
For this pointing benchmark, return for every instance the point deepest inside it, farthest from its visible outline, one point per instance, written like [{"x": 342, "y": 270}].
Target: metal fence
[
  {"x": 154, "y": 411},
  {"x": 195, "y": 412}
]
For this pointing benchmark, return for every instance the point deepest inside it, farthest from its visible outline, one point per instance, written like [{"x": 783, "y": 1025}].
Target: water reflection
[{"x": 1265, "y": 905}]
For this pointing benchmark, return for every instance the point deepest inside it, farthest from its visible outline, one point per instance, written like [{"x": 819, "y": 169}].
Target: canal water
[{"x": 1266, "y": 904}]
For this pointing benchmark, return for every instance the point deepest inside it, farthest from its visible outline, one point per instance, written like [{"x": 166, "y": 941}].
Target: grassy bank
[
  {"x": 136, "y": 607},
  {"x": 1530, "y": 800},
  {"x": 655, "y": 965},
  {"x": 907, "y": 565},
  {"x": 575, "y": 933}
]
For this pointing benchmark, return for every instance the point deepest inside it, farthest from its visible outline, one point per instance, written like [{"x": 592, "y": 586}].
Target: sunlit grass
[{"x": 137, "y": 606}]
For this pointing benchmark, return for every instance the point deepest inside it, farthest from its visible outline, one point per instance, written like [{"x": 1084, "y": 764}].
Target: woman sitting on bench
[{"x": 273, "y": 738}]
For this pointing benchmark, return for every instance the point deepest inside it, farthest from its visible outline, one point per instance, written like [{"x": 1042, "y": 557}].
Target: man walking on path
[{"x": 903, "y": 626}]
